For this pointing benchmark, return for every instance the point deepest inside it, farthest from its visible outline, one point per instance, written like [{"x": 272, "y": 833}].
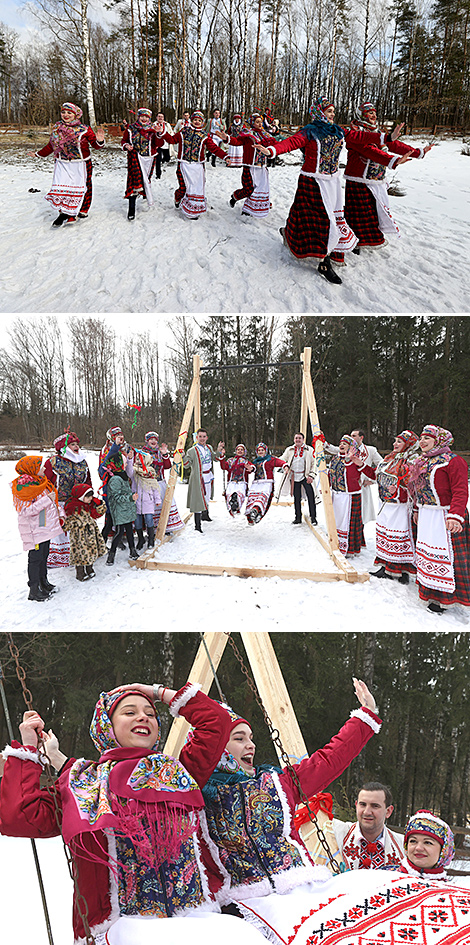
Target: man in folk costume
[
  {"x": 439, "y": 485},
  {"x": 191, "y": 143},
  {"x": 255, "y": 176},
  {"x": 395, "y": 545},
  {"x": 235, "y": 152},
  {"x": 70, "y": 141},
  {"x": 141, "y": 142},
  {"x": 65, "y": 470},
  {"x": 261, "y": 491},
  {"x": 345, "y": 474},
  {"x": 366, "y": 205},
  {"x": 301, "y": 461},
  {"x": 200, "y": 458},
  {"x": 368, "y": 843},
  {"x": 161, "y": 460},
  {"x": 238, "y": 468}
]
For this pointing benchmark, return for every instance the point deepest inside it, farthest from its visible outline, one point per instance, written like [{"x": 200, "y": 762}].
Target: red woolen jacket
[
  {"x": 313, "y": 148},
  {"x": 362, "y": 153},
  {"x": 251, "y": 157}
]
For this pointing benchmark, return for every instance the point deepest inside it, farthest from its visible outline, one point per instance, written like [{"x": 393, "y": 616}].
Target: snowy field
[
  {"x": 224, "y": 262},
  {"x": 269, "y": 604}
]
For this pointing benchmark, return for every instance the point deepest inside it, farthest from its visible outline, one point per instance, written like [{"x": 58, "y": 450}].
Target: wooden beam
[
  {"x": 319, "y": 453},
  {"x": 201, "y": 672},
  {"x": 217, "y": 570},
  {"x": 351, "y": 574},
  {"x": 172, "y": 478}
]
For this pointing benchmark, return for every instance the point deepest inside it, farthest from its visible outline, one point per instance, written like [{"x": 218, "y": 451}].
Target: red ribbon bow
[{"x": 323, "y": 802}]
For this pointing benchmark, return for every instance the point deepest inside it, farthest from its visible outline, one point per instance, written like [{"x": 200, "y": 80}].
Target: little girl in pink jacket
[{"x": 35, "y": 500}]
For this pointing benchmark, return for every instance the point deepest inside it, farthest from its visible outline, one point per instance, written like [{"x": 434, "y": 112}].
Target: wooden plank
[
  {"x": 351, "y": 574},
  {"x": 172, "y": 478},
  {"x": 319, "y": 454},
  {"x": 273, "y": 692},
  {"x": 217, "y": 570},
  {"x": 201, "y": 672}
]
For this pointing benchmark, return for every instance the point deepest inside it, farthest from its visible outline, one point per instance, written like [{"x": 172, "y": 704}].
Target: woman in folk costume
[
  {"x": 250, "y": 818},
  {"x": 70, "y": 141},
  {"x": 161, "y": 460},
  {"x": 133, "y": 819},
  {"x": 261, "y": 491},
  {"x": 439, "y": 485},
  {"x": 429, "y": 847},
  {"x": 65, "y": 470},
  {"x": 191, "y": 143},
  {"x": 344, "y": 474},
  {"x": 238, "y": 468},
  {"x": 255, "y": 176},
  {"x": 395, "y": 544},
  {"x": 235, "y": 152},
  {"x": 35, "y": 500},
  {"x": 86, "y": 542},
  {"x": 316, "y": 226},
  {"x": 144, "y": 483},
  {"x": 141, "y": 142},
  {"x": 366, "y": 205}
]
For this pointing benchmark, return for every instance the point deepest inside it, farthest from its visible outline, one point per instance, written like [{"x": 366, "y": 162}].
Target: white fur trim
[
  {"x": 24, "y": 754},
  {"x": 257, "y": 922},
  {"x": 395, "y": 160},
  {"x": 113, "y": 886},
  {"x": 459, "y": 518},
  {"x": 208, "y": 897},
  {"x": 364, "y": 716},
  {"x": 224, "y": 894},
  {"x": 179, "y": 701},
  {"x": 287, "y": 834}
]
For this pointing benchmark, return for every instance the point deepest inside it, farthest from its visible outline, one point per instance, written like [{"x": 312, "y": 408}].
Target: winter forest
[
  {"x": 420, "y": 681},
  {"x": 410, "y": 57},
  {"x": 382, "y": 373}
]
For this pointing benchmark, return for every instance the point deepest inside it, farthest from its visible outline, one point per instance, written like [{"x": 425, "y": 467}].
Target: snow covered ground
[
  {"x": 224, "y": 262},
  {"x": 263, "y": 603}
]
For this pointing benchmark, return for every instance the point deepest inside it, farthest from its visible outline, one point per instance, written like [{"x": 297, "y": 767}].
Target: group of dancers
[{"x": 318, "y": 226}]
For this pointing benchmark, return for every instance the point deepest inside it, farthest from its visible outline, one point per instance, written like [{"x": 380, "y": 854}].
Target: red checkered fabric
[
  {"x": 135, "y": 183},
  {"x": 180, "y": 192},
  {"x": 394, "y": 567},
  {"x": 461, "y": 549},
  {"x": 308, "y": 225},
  {"x": 247, "y": 187},
  {"x": 356, "y": 530},
  {"x": 88, "y": 194},
  {"x": 360, "y": 212}
]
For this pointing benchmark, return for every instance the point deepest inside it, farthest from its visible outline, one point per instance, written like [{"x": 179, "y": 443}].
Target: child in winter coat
[
  {"x": 35, "y": 500},
  {"x": 122, "y": 505},
  {"x": 144, "y": 482},
  {"x": 86, "y": 542}
]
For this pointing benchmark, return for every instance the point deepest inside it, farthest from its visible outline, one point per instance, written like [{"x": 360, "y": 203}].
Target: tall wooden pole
[
  {"x": 201, "y": 672},
  {"x": 307, "y": 389},
  {"x": 172, "y": 478}
]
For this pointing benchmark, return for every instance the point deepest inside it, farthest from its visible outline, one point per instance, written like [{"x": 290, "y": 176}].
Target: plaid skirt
[
  {"x": 247, "y": 187},
  {"x": 360, "y": 211},
  {"x": 356, "y": 539},
  {"x": 461, "y": 549},
  {"x": 308, "y": 224},
  {"x": 135, "y": 183}
]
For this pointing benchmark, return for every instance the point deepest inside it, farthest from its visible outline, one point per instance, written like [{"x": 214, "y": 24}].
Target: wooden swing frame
[{"x": 343, "y": 569}]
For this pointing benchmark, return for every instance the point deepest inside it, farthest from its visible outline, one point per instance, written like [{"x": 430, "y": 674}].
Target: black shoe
[
  {"x": 255, "y": 516},
  {"x": 205, "y": 517},
  {"x": 379, "y": 574},
  {"x": 58, "y": 222},
  {"x": 297, "y": 521},
  {"x": 83, "y": 216},
  {"x": 326, "y": 269},
  {"x": 314, "y": 521},
  {"x": 48, "y": 588},
  {"x": 213, "y": 160},
  {"x": 357, "y": 250},
  {"x": 89, "y": 570},
  {"x": 80, "y": 573},
  {"x": 150, "y": 536},
  {"x": 131, "y": 210},
  {"x": 177, "y": 203},
  {"x": 232, "y": 201},
  {"x": 133, "y": 553},
  {"x": 141, "y": 541},
  {"x": 197, "y": 522},
  {"x": 435, "y": 608},
  {"x": 404, "y": 578},
  {"x": 283, "y": 234},
  {"x": 234, "y": 503},
  {"x": 110, "y": 558},
  {"x": 245, "y": 214},
  {"x": 35, "y": 593}
]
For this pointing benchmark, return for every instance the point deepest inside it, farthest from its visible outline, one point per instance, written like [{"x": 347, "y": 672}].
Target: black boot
[
  {"x": 313, "y": 521},
  {"x": 233, "y": 503},
  {"x": 357, "y": 250},
  {"x": 435, "y": 608},
  {"x": 404, "y": 578},
  {"x": 326, "y": 269},
  {"x": 133, "y": 554},
  {"x": 35, "y": 593},
  {"x": 213, "y": 160},
  {"x": 141, "y": 541},
  {"x": 131, "y": 210},
  {"x": 151, "y": 536},
  {"x": 232, "y": 201},
  {"x": 89, "y": 570},
  {"x": 110, "y": 558},
  {"x": 255, "y": 516},
  {"x": 197, "y": 522},
  {"x": 379, "y": 574},
  {"x": 46, "y": 587},
  {"x": 58, "y": 222},
  {"x": 297, "y": 521},
  {"x": 80, "y": 573},
  {"x": 205, "y": 516}
]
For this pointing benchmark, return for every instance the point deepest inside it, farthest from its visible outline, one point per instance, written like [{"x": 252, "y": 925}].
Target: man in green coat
[{"x": 200, "y": 458}]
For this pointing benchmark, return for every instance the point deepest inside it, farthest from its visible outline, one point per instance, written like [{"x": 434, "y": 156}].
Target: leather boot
[
  {"x": 151, "y": 536},
  {"x": 89, "y": 570},
  {"x": 141, "y": 541},
  {"x": 80, "y": 573},
  {"x": 46, "y": 587},
  {"x": 197, "y": 522},
  {"x": 35, "y": 593}
]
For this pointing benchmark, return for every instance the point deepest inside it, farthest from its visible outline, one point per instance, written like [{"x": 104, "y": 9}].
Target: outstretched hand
[
  {"x": 365, "y": 697},
  {"x": 404, "y": 158},
  {"x": 31, "y": 727},
  {"x": 397, "y": 131}
]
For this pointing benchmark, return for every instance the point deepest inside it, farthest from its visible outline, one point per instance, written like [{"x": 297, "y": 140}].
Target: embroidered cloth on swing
[
  {"x": 259, "y": 496},
  {"x": 238, "y": 489}
]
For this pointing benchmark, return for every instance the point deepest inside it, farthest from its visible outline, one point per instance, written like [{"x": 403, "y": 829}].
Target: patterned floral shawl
[{"x": 65, "y": 136}]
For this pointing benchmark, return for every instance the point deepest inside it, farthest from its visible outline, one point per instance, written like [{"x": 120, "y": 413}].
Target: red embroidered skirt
[{"x": 361, "y": 214}]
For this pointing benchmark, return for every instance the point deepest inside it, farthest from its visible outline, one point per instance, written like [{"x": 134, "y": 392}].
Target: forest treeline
[
  {"x": 420, "y": 681},
  {"x": 410, "y": 59},
  {"x": 382, "y": 373}
]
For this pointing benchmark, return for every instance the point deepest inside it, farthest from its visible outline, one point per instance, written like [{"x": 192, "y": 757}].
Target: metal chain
[
  {"x": 276, "y": 738},
  {"x": 80, "y": 900}
]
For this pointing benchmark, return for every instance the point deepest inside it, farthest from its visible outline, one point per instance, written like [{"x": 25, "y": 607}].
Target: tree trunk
[{"x": 87, "y": 65}]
